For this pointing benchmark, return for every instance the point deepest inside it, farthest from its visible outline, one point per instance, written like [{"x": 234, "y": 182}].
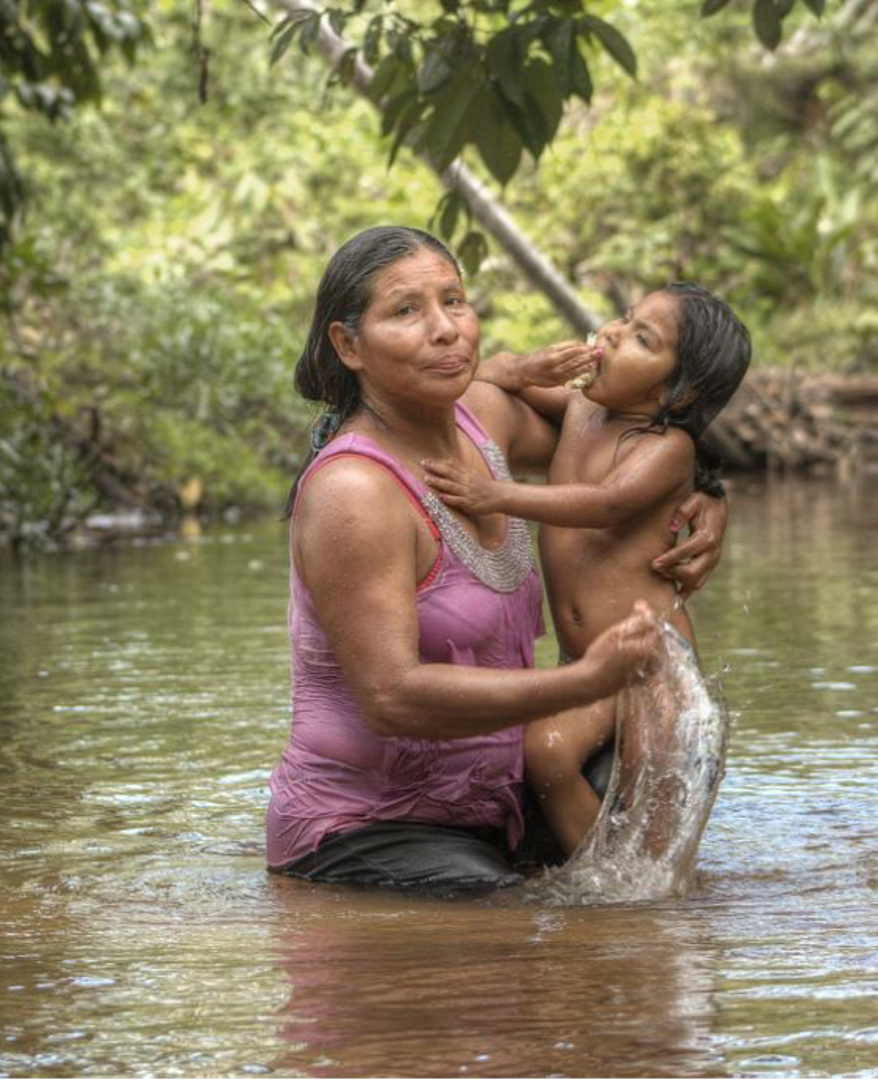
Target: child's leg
[{"x": 554, "y": 752}]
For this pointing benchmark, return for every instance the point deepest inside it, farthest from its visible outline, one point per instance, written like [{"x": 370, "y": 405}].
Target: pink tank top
[{"x": 477, "y": 607}]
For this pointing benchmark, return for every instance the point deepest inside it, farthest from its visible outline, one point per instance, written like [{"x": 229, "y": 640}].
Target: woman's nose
[{"x": 443, "y": 327}]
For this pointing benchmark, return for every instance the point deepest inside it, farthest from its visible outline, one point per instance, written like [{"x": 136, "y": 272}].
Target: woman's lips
[{"x": 450, "y": 365}]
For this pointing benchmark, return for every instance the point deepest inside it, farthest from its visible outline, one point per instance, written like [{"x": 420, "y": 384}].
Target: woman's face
[{"x": 418, "y": 339}]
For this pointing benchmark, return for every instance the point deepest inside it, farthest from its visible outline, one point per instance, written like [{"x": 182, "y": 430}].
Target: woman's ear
[{"x": 345, "y": 345}]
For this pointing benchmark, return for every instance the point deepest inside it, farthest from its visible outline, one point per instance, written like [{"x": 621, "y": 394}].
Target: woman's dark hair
[
  {"x": 713, "y": 354},
  {"x": 344, "y": 293}
]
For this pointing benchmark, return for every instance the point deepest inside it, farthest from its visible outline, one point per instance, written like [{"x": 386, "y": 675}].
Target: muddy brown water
[{"x": 143, "y": 700}]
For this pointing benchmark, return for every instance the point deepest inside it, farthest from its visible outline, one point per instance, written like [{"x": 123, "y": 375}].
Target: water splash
[{"x": 672, "y": 735}]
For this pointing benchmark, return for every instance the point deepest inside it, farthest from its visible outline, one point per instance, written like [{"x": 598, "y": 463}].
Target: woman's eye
[
  {"x": 643, "y": 339},
  {"x": 454, "y": 300},
  {"x": 405, "y": 309}
]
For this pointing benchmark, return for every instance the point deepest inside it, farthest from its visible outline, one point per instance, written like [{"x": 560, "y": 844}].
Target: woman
[{"x": 412, "y": 626}]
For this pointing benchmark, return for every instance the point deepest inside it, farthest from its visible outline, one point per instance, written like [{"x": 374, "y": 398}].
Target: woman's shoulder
[
  {"x": 349, "y": 507},
  {"x": 493, "y": 410},
  {"x": 349, "y": 480}
]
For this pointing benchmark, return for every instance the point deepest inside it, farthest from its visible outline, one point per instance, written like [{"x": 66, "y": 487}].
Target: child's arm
[
  {"x": 655, "y": 467},
  {"x": 538, "y": 377}
]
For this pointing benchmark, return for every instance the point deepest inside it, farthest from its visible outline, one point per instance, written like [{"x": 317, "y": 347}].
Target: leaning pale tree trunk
[{"x": 492, "y": 217}]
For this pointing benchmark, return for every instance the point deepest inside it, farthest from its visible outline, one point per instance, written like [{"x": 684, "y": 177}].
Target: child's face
[{"x": 640, "y": 352}]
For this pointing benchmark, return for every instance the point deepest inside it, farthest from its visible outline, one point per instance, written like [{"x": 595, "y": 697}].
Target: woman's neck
[{"x": 415, "y": 432}]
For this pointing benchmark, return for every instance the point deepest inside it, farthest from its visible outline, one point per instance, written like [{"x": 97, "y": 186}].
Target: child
[{"x": 627, "y": 456}]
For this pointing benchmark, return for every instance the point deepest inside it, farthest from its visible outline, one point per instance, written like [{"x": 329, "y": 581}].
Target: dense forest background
[{"x": 158, "y": 285}]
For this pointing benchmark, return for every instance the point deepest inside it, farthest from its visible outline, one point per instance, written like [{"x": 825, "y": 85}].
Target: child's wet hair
[{"x": 713, "y": 354}]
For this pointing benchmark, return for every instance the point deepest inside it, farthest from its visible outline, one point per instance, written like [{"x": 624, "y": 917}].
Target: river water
[{"x": 143, "y": 700}]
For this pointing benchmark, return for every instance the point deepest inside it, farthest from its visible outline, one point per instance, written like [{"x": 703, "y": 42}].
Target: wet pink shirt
[{"x": 477, "y": 607}]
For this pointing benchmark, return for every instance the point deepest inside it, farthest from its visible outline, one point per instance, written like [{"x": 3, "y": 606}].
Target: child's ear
[{"x": 345, "y": 345}]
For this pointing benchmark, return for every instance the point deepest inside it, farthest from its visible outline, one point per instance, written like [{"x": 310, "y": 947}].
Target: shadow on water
[{"x": 143, "y": 701}]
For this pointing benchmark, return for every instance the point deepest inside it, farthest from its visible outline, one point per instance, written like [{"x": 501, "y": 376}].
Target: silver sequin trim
[{"x": 502, "y": 570}]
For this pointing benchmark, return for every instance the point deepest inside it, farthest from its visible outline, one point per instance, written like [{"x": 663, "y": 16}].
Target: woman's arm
[
  {"x": 363, "y": 590},
  {"x": 652, "y": 471},
  {"x": 527, "y": 439},
  {"x": 692, "y": 562}
]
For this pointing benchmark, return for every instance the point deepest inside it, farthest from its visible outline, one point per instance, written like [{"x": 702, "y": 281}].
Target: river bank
[{"x": 789, "y": 421}]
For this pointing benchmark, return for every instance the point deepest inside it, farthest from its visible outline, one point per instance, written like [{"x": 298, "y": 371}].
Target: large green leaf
[
  {"x": 452, "y": 124},
  {"x": 616, "y": 44},
  {"x": 372, "y": 39},
  {"x": 560, "y": 39},
  {"x": 384, "y": 77},
  {"x": 406, "y": 125},
  {"x": 436, "y": 69},
  {"x": 505, "y": 54},
  {"x": 543, "y": 91},
  {"x": 447, "y": 213},
  {"x": 498, "y": 142},
  {"x": 711, "y": 7},
  {"x": 582, "y": 84},
  {"x": 767, "y": 23},
  {"x": 394, "y": 109},
  {"x": 473, "y": 251}
]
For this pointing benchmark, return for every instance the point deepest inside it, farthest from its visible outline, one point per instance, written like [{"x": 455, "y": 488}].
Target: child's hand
[
  {"x": 462, "y": 488},
  {"x": 557, "y": 364},
  {"x": 554, "y": 365}
]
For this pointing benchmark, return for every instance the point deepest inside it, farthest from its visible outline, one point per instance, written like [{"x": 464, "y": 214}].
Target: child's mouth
[{"x": 584, "y": 381}]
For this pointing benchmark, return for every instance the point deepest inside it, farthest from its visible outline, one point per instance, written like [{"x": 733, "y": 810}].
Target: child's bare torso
[{"x": 594, "y": 576}]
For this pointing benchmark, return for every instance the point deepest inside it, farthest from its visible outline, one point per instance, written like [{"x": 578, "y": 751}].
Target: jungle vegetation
[{"x": 170, "y": 196}]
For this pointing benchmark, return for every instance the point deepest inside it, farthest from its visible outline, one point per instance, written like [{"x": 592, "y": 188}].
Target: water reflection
[
  {"x": 446, "y": 990},
  {"x": 143, "y": 700}
]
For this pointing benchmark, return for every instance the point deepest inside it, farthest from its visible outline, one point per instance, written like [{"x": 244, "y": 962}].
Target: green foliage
[
  {"x": 491, "y": 76},
  {"x": 51, "y": 52},
  {"x": 155, "y": 302},
  {"x": 42, "y": 480},
  {"x": 768, "y": 16},
  {"x": 488, "y": 75}
]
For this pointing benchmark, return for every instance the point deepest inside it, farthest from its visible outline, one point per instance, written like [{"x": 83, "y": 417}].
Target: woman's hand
[
  {"x": 626, "y": 652},
  {"x": 692, "y": 562},
  {"x": 463, "y": 488}
]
